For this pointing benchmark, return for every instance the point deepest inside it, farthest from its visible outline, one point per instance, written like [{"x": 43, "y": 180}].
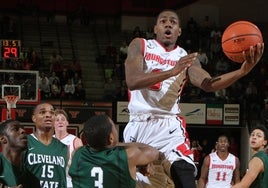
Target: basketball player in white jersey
[
  {"x": 156, "y": 72},
  {"x": 72, "y": 141},
  {"x": 220, "y": 169}
]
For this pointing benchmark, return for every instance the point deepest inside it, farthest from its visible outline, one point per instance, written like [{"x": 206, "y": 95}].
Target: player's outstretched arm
[{"x": 200, "y": 78}]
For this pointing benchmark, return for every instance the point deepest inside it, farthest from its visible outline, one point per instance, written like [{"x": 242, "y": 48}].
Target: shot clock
[{"x": 10, "y": 48}]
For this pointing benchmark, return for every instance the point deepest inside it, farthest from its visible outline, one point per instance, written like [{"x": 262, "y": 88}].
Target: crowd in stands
[
  {"x": 63, "y": 86},
  {"x": 62, "y": 82}
]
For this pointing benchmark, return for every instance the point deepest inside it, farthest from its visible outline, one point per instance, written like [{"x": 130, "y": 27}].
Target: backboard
[{"x": 21, "y": 83}]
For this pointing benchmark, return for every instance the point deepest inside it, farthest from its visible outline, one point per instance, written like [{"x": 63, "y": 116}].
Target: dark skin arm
[
  {"x": 200, "y": 78},
  {"x": 139, "y": 155},
  {"x": 204, "y": 173},
  {"x": 136, "y": 78},
  {"x": 236, "y": 174},
  {"x": 255, "y": 166}
]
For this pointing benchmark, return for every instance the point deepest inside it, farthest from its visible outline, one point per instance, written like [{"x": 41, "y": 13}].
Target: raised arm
[
  {"x": 136, "y": 78},
  {"x": 200, "y": 78}
]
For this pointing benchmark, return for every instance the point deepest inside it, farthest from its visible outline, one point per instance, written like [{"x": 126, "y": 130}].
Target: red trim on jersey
[
  {"x": 128, "y": 95},
  {"x": 143, "y": 46},
  {"x": 185, "y": 147}
]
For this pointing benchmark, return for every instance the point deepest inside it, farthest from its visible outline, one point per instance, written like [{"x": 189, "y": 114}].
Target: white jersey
[
  {"x": 69, "y": 141},
  {"x": 164, "y": 96},
  {"x": 220, "y": 172}
]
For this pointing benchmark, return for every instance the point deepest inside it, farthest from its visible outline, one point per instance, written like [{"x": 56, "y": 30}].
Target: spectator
[
  {"x": 34, "y": 61},
  {"x": 69, "y": 89},
  {"x": 222, "y": 66},
  {"x": 41, "y": 76},
  {"x": 221, "y": 95},
  {"x": 44, "y": 88},
  {"x": 74, "y": 67},
  {"x": 76, "y": 79},
  {"x": 196, "y": 148},
  {"x": 215, "y": 44},
  {"x": 64, "y": 78},
  {"x": 56, "y": 63},
  {"x": 203, "y": 58},
  {"x": 55, "y": 89},
  {"x": 52, "y": 77},
  {"x": 80, "y": 92}
]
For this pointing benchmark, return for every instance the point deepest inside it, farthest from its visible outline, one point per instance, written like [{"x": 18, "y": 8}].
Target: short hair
[
  {"x": 97, "y": 130},
  {"x": 63, "y": 112},
  {"x": 168, "y": 10},
  {"x": 42, "y": 103},
  {"x": 263, "y": 129},
  {"x": 4, "y": 125},
  {"x": 223, "y": 135}
]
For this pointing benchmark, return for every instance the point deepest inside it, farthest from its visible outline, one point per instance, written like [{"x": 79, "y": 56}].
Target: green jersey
[
  {"x": 11, "y": 175},
  {"x": 102, "y": 169},
  {"x": 262, "y": 179},
  {"x": 47, "y": 162}
]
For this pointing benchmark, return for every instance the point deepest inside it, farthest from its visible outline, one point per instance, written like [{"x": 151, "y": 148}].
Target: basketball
[{"x": 238, "y": 37}]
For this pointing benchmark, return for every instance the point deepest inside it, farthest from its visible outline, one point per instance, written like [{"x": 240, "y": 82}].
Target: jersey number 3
[{"x": 97, "y": 172}]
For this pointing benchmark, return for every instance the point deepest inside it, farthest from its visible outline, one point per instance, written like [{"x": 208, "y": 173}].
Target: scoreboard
[{"x": 10, "y": 48}]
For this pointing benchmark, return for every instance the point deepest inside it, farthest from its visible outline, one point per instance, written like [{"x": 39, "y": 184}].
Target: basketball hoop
[{"x": 11, "y": 101}]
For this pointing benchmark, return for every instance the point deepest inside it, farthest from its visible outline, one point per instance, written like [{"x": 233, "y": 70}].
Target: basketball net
[{"x": 11, "y": 101}]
